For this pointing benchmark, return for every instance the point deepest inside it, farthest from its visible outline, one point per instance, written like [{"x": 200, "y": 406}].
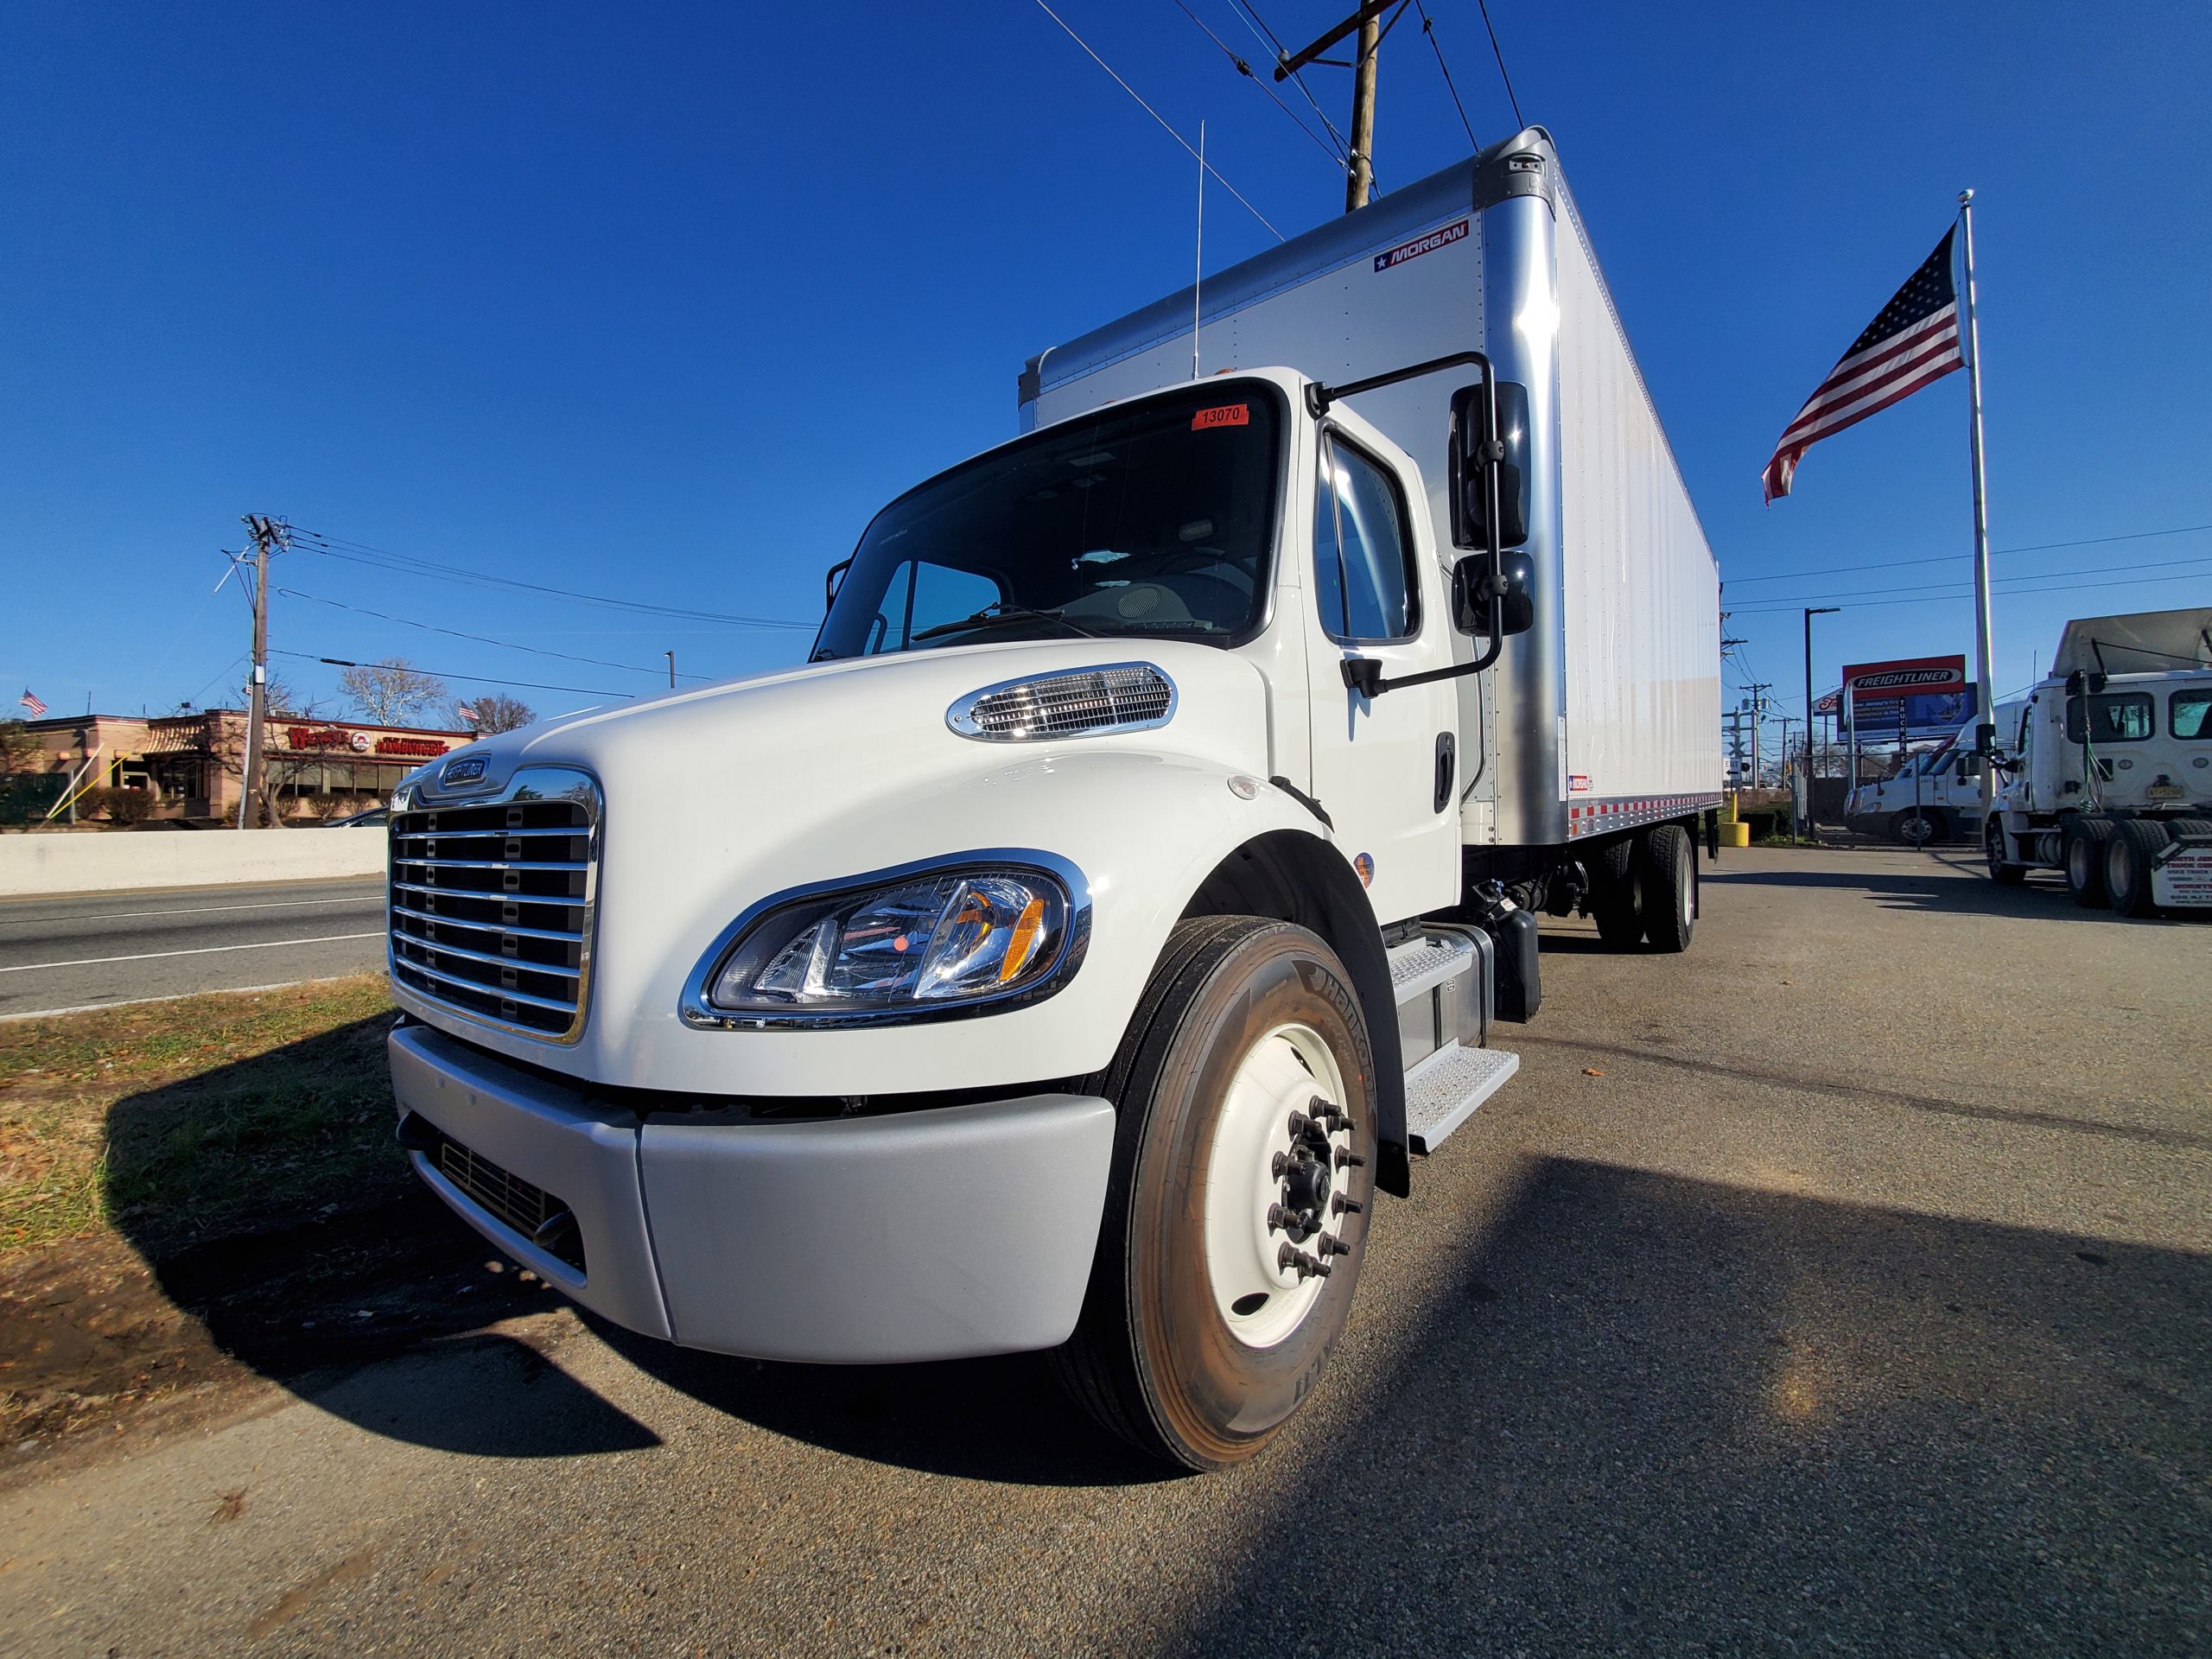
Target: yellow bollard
[{"x": 1734, "y": 832}]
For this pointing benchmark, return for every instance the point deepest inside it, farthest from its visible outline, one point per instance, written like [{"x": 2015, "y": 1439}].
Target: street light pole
[{"x": 1810, "y": 613}]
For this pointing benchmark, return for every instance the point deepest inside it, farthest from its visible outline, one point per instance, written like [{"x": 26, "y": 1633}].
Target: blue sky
[{"x": 662, "y": 301}]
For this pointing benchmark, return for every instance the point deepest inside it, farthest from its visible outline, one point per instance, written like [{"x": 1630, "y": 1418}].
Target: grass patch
[{"x": 176, "y": 1121}]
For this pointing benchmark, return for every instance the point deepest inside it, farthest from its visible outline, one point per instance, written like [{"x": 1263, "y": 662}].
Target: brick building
[{"x": 192, "y": 764}]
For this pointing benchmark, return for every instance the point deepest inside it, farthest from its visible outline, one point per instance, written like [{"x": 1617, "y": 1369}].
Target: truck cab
[
  {"x": 1934, "y": 795},
  {"x": 2106, "y": 770}
]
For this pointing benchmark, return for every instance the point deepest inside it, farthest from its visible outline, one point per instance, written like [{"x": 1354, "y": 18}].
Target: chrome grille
[
  {"x": 507, "y": 1197},
  {"x": 491, "y": 902},
  {"x": 1124, "y": 698}
]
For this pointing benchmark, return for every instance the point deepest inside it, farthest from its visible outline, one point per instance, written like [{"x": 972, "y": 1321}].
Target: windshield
[{"x": 1156, "y": 520}]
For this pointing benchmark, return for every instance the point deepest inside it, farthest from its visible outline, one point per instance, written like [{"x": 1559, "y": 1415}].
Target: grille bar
[
  {"x": 533, "y": 974},
  {"x": 1085, "y": 702},
  {"x": 516, "y": 1205}
]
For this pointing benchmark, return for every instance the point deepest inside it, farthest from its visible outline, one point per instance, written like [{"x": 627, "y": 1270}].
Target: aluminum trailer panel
[{"x": 1607, "y": 711}]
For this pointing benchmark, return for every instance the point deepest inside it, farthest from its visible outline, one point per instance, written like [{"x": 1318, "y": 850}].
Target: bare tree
[
  {"x": 19, "y": 750},
  {"x": 390, "y": 693},
  {"x": 493, "y": 712}
]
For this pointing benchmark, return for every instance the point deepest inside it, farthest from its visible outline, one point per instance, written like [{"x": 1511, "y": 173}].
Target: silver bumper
[{"x": 925, "y": 1235}]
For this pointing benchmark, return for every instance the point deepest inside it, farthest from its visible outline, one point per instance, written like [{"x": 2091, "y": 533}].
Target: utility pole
[
  {"x": 1359, "y": 170},
  {"x": 1758, "y": 691},
  {"x": 267, "y": 533},
  {"x": 671, "y": 669}
]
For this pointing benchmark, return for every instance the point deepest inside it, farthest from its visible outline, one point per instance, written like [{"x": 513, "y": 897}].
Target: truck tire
[
  {"x": 1617, "y": 894},
  {"x": 1669, "y": 887},
  {"x": 1993, "y": 847},
  {"x": 1245, "y": 1137},
  {"x": 2081, "y": 850},
  {"x": 1916, "y": 827},
  {"x": 2128, "y": 852}
]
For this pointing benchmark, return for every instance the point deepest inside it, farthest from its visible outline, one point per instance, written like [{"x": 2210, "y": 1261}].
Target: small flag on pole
[
  {"x": 1914, "y": 342},
  {"x": 30, "y": 700},
  {"x": 468, "y": 713}
]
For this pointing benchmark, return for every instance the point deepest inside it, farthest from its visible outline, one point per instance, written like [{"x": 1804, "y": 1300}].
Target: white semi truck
[
  {"x": 1934, "y": 795},
  {"x": 2105, "y": 773},
  {"x": 1122, "y": 894}
]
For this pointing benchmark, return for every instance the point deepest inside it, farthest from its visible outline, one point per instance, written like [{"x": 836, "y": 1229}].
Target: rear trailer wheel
[
  {"x": 2133, "y": 843},
  {"x": 2004, "y": 874},
  {"x": 1669, "y": 887},
  {"x": 1237, "y": 1207},
  {"x": 2083, "y": 851},
  {"x": 1617, "y": 894}
]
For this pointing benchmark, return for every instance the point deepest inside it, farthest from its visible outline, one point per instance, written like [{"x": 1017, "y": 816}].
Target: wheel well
[{"x": 1294, "y": 877}]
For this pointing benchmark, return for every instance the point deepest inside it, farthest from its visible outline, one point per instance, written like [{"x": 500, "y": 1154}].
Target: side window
[
  {"x": 2188, "y": 715},
  {"x": 924, "y": 595},
  {"x": 2114, "y": 717},
  {"x": 1363, "y": 555}
]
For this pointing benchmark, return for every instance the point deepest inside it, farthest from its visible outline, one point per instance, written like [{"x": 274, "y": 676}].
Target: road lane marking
[
  {"x": 197, "y": 951},
  {"x": 180, "y": 996},
  {"x": 373, "y": 894}
]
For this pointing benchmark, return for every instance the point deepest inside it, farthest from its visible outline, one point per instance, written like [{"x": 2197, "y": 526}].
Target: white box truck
[
  {"x": 1121, "y": 897},
  {"x": 2105, "y": 773}
]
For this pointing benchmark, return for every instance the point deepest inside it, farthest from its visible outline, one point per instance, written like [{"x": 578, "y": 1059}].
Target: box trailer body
[
  {"x": 1122, "y": 894},
  {"x": 1607, "y": 712},
  {"x": 2105, "y": 773}
]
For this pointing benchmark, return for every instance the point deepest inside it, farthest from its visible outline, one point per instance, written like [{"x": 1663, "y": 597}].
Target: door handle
[{"x": 1447, "y": 748}]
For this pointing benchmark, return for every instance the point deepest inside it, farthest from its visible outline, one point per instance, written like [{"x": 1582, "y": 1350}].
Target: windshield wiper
[{"x": 998, "y": 615}]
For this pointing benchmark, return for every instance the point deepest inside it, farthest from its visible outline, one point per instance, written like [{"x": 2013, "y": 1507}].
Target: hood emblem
[{"x": 470, "y": 771}]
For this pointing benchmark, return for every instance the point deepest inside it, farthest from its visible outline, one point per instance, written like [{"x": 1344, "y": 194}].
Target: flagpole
[{"x": 1985, "y": 686}]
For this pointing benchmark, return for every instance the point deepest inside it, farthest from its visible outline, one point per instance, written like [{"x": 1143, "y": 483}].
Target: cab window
[
  {"x": 2188, "y": 715},
  {"x": 1363, "y": 557},
  {"x": 2114, "y": 717}
]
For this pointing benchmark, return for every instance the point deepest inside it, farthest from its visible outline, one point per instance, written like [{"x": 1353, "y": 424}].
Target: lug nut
[
  {"x": 1276, "y": 1220},
  {"x": 1339, "y": 1204},
  {"x": 1280, "y": 1165},
  {"x": 1330, "y": 1244},
  {"x": 1350, "y": 1160},
  {"x": 1298, "y": 1124}
]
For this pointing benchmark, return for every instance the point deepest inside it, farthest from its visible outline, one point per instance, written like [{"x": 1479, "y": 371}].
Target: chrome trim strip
[
  {"x": 488, "y": 990},
  {"x": 495, "y": 864},
  {"x": 529, "y": 784},
  {"x": 701, "y": 1015},
  {"x": 514, "y": 928},
  {"x": 961, "y": 716},
  {"x": 493, "y": 835},
  {"x": 474, "y": 893},
  {"x": 495, "y": 960}
]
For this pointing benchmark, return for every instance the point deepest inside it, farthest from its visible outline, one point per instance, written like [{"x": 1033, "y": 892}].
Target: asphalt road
[
  {"x": 1841, "y": 1287},
  {"x": 119, "y": 947}
]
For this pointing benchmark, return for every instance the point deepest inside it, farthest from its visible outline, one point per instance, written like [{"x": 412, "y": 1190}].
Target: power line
[
  {"x": 2064, "y": 585},
  {"x": 1946, "y": 558},
  {"x": 1244, "y": 69},
  {"x": 1789, "y": 601},
  {"x": 480, "y": 638},
  {"x": 1518, "y": 123},
  {"x": 1258, "y": 25},
  {"x": 1428, "y": 28},
  {"x": 470, "y": 679},
  {"x": 1156, "y": 116},
  {"x": 339, "y": 546}
]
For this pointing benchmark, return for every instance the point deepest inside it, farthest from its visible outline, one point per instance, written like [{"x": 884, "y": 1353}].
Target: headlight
[{"x": 936, "y": 939}]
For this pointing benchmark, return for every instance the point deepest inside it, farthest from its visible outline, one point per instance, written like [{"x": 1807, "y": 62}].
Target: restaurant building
[{"x": 192, "y": 766}]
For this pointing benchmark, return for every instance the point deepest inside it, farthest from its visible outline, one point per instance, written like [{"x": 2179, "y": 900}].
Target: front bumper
[{"x": 935, "y": 1233}]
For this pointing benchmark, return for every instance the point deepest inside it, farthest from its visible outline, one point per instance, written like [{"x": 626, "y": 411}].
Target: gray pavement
[
  {"x": 87, "y": 950},
  {"x": 1838, "y": 1288}
]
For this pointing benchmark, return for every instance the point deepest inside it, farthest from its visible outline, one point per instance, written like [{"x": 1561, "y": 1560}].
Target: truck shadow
[
  {"x": 278, "y": 1228},
  {"x": 1652, "y": 1414},
  {"x": 1946, "y": 894}
]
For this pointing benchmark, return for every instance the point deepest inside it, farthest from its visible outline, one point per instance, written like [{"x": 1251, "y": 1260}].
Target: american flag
[
  {"x": 1913, "y": 343},
  {"x": 468, "y": 713},
  {"x": 30, "y": 700}
]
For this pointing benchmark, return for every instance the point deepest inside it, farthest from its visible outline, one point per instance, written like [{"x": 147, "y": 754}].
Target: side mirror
[
  {"x": 1469, "y": 485},
  {"x": 1470, "y": 607},
  {"x": 832, "y": 581}
]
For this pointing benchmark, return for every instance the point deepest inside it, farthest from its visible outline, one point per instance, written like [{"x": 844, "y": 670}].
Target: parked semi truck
[
  {"x": 1934, "y": 795},
  {"x": 2105, "y": 773},
  {"x": 1122, "y": 895}
]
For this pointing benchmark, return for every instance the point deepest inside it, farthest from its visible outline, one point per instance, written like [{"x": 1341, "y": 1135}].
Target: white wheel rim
[{"x": 1261, "y": 1298}]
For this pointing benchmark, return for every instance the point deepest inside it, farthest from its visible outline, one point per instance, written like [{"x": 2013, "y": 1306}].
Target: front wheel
[
  {"x": 2004, "y": 873},
  {"x": 1237, "y": 1206},
  {"x": 1917, "y": 826}
]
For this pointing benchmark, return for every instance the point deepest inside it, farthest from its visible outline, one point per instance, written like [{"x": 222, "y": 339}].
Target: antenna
[{"x": 1199, "y": 266}]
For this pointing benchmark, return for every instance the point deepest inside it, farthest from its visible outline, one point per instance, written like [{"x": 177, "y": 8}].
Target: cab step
[{"x": 1443, "y": 1090}]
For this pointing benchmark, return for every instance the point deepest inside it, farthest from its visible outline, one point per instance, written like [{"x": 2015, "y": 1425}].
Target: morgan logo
[
  {"x": 470, "y": 771},
  {"x": 1420, "y": 244}
]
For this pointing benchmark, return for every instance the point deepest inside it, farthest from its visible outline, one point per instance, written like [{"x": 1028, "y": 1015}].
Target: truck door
[{"x": 1386, "y": 769}]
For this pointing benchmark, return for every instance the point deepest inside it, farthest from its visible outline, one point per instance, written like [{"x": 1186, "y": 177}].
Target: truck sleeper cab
[{"x": 1067, "y": 955}]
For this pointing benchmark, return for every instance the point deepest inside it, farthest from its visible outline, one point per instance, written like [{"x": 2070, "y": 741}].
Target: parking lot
[{"x": 1841, "y": 1287}]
